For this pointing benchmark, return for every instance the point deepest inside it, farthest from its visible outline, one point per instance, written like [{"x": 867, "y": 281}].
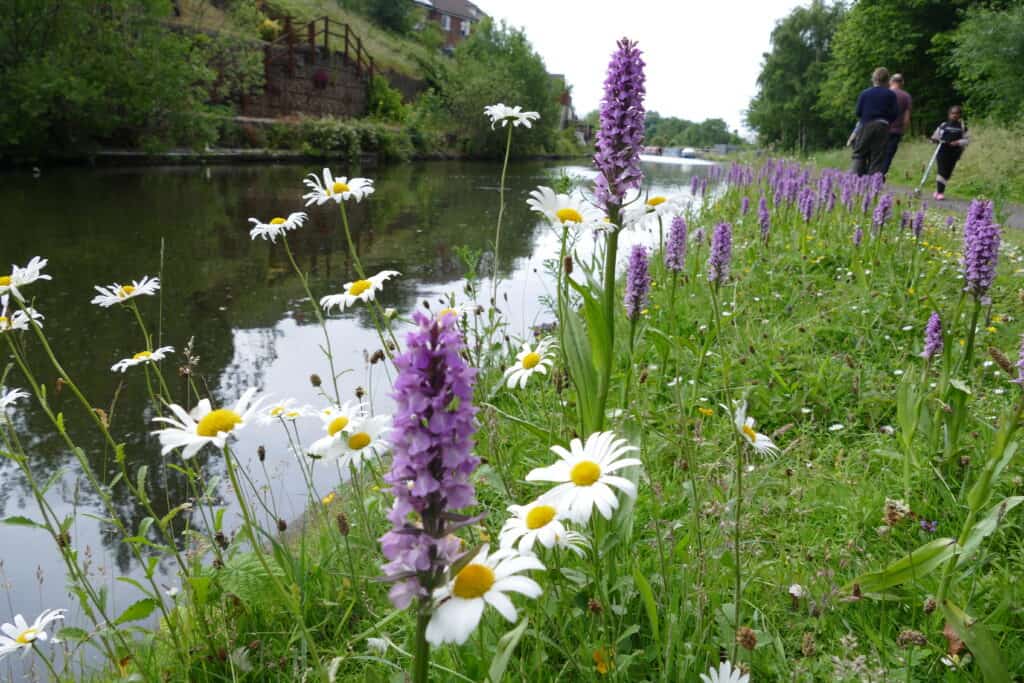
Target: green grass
[
  {"x": 389, "y": 50},
  {"x": 990, "y": 166}
]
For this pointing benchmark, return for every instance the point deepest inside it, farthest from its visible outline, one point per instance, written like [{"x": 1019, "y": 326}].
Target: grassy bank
[
  {"x": 877, "y": 453},
  {"x": 990, "y": 166}
]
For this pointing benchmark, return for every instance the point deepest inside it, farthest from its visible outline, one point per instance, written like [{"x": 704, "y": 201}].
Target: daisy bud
[
  {"x": 377, "y": 357},
  {"x": 221, "y": 540},
  {"x": 282, "y": 525},
  {"x": 261, "y": 453},
  {"x": 343, "y": 527},
  {"x": 315, "y": 380},
  {"x": 746, "y": 638},
  {"x": 360, "y": 392}
]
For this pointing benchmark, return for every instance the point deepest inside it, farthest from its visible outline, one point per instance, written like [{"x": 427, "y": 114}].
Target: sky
[{"x": 702, "y": 58}]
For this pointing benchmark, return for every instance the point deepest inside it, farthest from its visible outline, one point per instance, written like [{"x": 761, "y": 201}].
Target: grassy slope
[
  {"x": 990, "y": 166},
  {"x": 388, "y": 50}
]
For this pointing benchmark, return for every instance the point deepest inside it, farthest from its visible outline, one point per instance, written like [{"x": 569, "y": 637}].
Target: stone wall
[{"x": 310, "y": 81}]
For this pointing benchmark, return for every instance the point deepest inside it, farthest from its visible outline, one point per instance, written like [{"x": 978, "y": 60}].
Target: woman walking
[{"x": 952, "y": 137}]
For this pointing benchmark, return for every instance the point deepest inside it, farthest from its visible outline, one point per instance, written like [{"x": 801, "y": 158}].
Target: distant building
[
  {"x": 455, "y": 17},
  {"x": 566, "y": 112}
]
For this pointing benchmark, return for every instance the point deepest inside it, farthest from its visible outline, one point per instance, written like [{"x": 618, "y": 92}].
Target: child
[{"x": 952, "y": 138}]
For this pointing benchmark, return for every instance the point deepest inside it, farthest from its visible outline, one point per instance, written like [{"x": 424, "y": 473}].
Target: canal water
[{"x": 242, "y": 307}]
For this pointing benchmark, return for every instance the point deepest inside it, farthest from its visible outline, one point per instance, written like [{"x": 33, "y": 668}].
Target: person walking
[
  {"x": 952, "y": 137},
  {"x": 877, "y": 108},
  {"x": 902, "y": 122}
]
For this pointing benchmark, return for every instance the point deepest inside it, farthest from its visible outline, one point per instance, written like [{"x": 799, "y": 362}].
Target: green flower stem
[
  {"x": 319, "y": 317},
  {"x": 610, "y": 258},
  {"x": 501, "y": 214},
  {"x": 421, "y": 659}
]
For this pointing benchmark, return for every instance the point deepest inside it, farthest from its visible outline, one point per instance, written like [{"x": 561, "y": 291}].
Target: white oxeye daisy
[
  {"x": 504, "y": 114},
  {"x": 725, "y": 673},
  {"x": 9, "y": 397},
  {"x": 536, "y": 522},
  {"x": 118, "y": 294},
  {"x": 365, "y": 440},
  {"x": 745, "y": 426},
  {"x": 20, "y": 277},
  {"x": 204, "y": 425},
  {"x": 17, "y": 320},
  {"x": 21, "y": 636},
  {"x": 142, "y": 357},
  {"x": 530, "y": 360},
  {"x": 638, "y": 212},
  {"x": 277, "y": 226},
  {"x": 283, "y": 410},
  {"x": 584, "y": 475},
  {"x": 360, "y": 290},
  {"x": 486, "y": 579},
  {"x": 336, "y": 423},
  {"x": 797, "y": 591},
  {"x": 564, "y": 210},
  {"x": 337, "y": 189}
]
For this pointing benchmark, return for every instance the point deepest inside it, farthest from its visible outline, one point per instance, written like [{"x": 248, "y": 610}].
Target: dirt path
[{"x": 1014, "y": 212}]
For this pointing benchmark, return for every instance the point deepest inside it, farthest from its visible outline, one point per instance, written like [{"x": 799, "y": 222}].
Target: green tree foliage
[
  {"x": 785, "y": 110},
  {"x": 669, "y": 131},
  {"x": 396, "y": 15},
  {"x": 495, "y": 64},
  {"x": 79, "y": 73},
  {"x": 987, "y": 56},
  {"x": 905, "y": 37}
]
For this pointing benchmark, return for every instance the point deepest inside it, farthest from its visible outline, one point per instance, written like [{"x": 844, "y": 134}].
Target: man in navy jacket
[{"x": 877, "y": 108}]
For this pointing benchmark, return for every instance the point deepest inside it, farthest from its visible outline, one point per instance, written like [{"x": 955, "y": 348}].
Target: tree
[
  {"x": 785, "y": 109},
  {"x": 496, "y": 64},
  {"x": 987, "y": 58},
  {"x": 391, "y": 14},
  {"x": 669, "y": 131},
  {"x": 906, "y": 37}
]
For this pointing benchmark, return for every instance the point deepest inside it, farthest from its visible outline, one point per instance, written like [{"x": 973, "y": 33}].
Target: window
[
  {"x": 446, "y": 22},
  {"x": 465, "y": 27}
]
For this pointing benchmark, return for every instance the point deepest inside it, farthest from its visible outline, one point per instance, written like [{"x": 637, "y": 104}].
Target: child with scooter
[{"x": 952, "y": 137}]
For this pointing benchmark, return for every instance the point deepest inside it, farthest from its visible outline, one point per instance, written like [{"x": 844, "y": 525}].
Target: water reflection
[{"x": 243, "y": 306}]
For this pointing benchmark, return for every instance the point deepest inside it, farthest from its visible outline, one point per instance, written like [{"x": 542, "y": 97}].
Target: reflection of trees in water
[{"x": 221, "y": 287}]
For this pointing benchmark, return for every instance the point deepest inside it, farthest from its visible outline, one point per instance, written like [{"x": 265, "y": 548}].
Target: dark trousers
[
  {"x": 946, "y": 162},
  {"x": 869, "y": 148},
  {"x": 891, "y": 145}
]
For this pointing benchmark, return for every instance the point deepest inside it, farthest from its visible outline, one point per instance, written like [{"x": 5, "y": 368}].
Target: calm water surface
[{"x": 245, "y": 309}]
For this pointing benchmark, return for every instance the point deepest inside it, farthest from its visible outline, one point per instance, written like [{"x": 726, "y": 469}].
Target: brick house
[{"x": 455, "y": 17}]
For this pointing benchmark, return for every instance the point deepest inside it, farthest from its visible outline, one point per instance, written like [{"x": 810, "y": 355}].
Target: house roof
[{"x": 457, "y": 8}]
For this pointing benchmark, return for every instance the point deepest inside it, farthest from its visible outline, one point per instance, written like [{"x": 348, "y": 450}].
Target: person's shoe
[{"x": 938, "y": 196}]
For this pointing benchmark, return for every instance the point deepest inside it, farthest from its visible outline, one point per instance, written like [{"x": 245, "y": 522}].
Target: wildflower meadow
[{"x": 775, "y": 439}]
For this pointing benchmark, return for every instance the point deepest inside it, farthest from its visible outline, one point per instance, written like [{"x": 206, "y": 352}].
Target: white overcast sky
[{"x": 703, "y": 57}]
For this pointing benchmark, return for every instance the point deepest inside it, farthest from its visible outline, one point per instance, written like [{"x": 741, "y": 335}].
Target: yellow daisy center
[
  {"x": 446, "y": 311},
  {"x": 337, "y": 424},
  {"x": 655, "y": 201},
  {"x": 124, "y": 291},
  {"x": 5, "y": 280},
  {"x": 292, "y": 414},
  {"x": 217, "y": 421},
  {"x": 142, "y": 355},
  {"x": 277, "y": 221},
  {"x": 539, "y": 516},
  {"x": 530, "y": 360},
  {"x": 359, "y": 286},
  {"x": 276, "y": 411},
  {"x": 473, "y": 581},
  {"x": 706, "y": 411},
  {"x": 339, "y": 187},
  {"x": 4, "y": 321},
  {"x": 329, "y": 498},
  {"x": 359, "y": 440},
  {"x": 749, "y": 432},
  {"x": 27, "y": 636},
  {"x": 585, "y": 473},
  {"x": 568, "y": 215}
]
